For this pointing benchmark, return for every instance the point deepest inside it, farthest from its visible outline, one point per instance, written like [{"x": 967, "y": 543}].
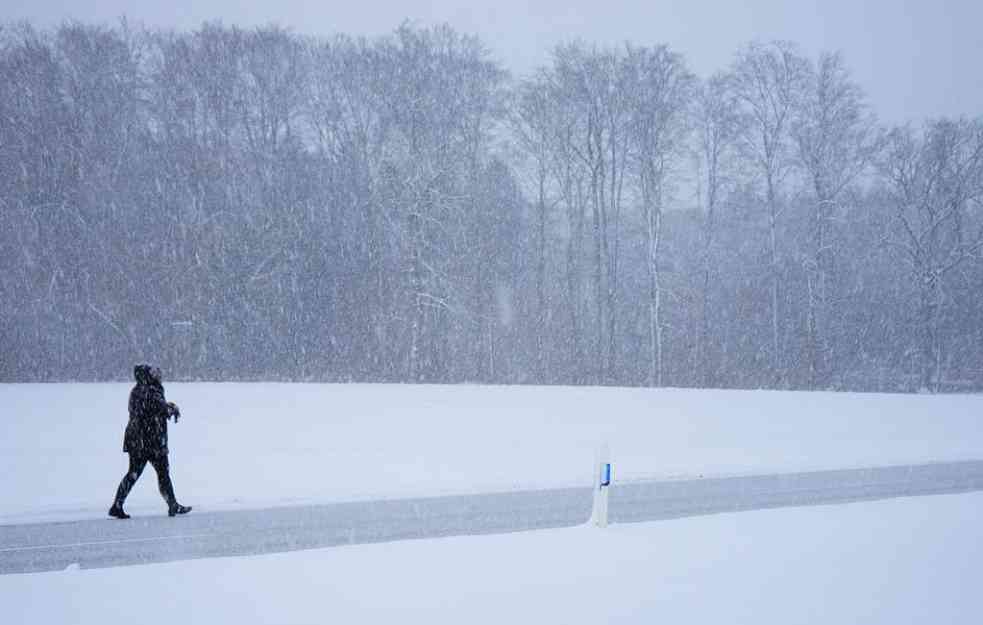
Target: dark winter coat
[{"x": 146, "y": 432}]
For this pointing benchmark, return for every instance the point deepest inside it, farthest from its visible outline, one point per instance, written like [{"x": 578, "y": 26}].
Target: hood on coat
[{"x": 145, "y": 374}]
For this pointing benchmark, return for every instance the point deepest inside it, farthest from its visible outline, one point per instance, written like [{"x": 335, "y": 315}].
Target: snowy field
[
  {"x": 914, "y": 560},
  {"x": 917, "y": 560},
  {"x": 242, "y": 446}
]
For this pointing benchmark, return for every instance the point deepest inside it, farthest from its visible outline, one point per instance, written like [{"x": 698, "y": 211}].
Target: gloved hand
[{"x": 173, "y": 411}]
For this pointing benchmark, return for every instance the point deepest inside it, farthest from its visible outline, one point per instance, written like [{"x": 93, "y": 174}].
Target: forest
[{"x": 256, "y": 204}]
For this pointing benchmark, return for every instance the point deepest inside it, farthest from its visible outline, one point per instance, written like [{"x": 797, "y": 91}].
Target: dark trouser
[{"x": 137, "y": 464}]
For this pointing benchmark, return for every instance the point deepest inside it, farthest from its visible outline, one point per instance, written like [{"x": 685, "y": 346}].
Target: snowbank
[{"x": 258, "y": 445}]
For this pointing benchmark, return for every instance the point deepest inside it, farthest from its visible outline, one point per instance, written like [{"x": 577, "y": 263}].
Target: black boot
[
  {"x": 117, "y": 512},
  {"x": 176, "y": 508}
]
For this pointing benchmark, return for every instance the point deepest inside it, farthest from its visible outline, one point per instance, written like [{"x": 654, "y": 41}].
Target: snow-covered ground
[
  {"x": 917, "y": 560},
  {"x": 914, "y": 560},
  {"x": 258, "y": 445}
]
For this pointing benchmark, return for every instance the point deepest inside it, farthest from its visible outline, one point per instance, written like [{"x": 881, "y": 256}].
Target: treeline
[{"x": 255, "y": 204}]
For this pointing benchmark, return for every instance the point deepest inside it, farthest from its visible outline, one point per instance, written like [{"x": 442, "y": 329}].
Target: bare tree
[
  {"x": 661, "y": 88},
  {"x": 935, "y": 180},
  {"x": 535, "y": 127},
  {"x": 594, "y": 87},
  {"x": 836, "y": 138},
  {"x": 768, "y": 80},
  {"x": 716, "y": 122},
  {"x": 440, "y": 102}
]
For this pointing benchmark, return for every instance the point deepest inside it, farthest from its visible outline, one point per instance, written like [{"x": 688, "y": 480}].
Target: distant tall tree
[
  {"x": 535, "y": 126},
  {"x": 440, "y": 106},
  {"x": 836, "y": 139},
  {"x": 662, "y": 89},
  {"x": 594, "y": 89},
  {"x": 716, "y": 121},
  {"x": 768, "y": 81},
  {"x": 350, "y": 133},
  {"x": 935, "y": 180},
  {"x": 37, "y": 179}
]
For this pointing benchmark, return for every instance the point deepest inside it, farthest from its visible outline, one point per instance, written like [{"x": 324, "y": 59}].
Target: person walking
[{"x": 145, "y": 439}]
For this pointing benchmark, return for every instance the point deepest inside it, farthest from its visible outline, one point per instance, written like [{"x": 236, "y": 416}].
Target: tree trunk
[{"x": 778, "y": 369}]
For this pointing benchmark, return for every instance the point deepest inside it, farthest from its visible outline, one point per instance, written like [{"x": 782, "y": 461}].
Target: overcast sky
[{"x": 916, "y": 59}]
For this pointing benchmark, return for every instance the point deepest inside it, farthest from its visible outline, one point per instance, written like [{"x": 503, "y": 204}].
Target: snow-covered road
[{"x": 203, "y": 534}]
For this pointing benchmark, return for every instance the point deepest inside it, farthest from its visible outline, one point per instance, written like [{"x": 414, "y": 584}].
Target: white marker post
[{"x": 602, "y": 484}]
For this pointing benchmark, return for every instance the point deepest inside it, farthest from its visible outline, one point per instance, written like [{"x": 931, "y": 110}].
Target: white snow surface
[
  {"x": 260, "y": 445},
  {"x": 893, "y": 562}
]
